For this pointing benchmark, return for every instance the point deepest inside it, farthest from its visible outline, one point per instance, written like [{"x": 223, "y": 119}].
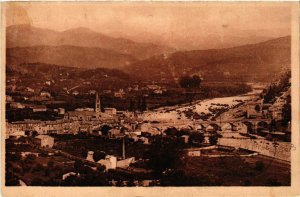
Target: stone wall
[{"x": 282, "y": 150}]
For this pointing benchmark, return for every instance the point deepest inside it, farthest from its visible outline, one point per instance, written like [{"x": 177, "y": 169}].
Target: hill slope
[
  {"x": 34, "y": 75},
  {"x": 249, "y": 62},
  {"x": 68, "y": 55}
]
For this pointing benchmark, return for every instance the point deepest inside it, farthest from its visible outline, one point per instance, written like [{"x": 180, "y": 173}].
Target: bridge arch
[
  {"x": 200, "y": 127},
  {"x": 213, "y": 127},
  {"x": 229, "y": 126}
]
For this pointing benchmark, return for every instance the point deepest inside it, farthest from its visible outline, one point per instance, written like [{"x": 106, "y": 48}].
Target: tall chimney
[{"x": 123, "y": 148}]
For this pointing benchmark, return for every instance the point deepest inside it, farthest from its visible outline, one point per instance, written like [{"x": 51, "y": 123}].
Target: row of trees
[{"x": 194, "y": 137}]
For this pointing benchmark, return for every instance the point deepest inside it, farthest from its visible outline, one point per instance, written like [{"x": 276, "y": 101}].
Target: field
[{"x": 237, "y": 171}]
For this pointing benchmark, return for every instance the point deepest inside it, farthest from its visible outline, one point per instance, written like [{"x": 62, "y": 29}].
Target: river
[{"x": 174, "y": 114}]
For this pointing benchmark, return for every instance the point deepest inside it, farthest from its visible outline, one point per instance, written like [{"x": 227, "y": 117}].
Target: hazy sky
[{"x": 175, "y": 21}]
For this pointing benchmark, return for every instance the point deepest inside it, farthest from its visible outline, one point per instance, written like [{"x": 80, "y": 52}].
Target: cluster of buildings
[
  {"x": 122, "y": 93},
  {"x": 72, "y": 122},
  {"x": 30, "y": 97},
  {"x": 111, "y": 161},
  {"x": 84, "y": 120}
]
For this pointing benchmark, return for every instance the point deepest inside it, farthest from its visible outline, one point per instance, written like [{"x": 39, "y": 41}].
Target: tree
[
  {"x": 196, "y": 80},
  {"x": 196, "y": 116},
  {"x": 38, "y": 168},
  {"x": 23, "y": 139},
  {"x": 190, "y": 82},
  {"x": 259, "y": 166},
  {"x": 184, "y": 82},
  {"x": 34, "y": 133},
  {"x": 273, "y": 125},
  {"x": 13, "y": 157},
  {"x": 78, "y": 166},
  {"x": 257, "y": 108},
  {"x": 213, "y": 139},
  {"x": 104, "y": 129},
  {"x": 50, "y": 164},
  {"x": 11, "y": 179},
  {"x": 171, "y": 131},
  {"x": 30, "y": 158},
  {"x": 287, "y": 112},
  {"x": 99, "y": 155},
  {"x": 143, "y": 104},
  {"x": 196, "y": 137},
  {"x": 270, "y": 94},
  {"x": 131, "y": 105},
  {"x": 164, "y": 155},
  {"x": 184, "y": 131}
]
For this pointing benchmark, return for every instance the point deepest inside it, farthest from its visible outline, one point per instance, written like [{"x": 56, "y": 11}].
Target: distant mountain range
[
  {"x": 209, "y": 41},
  {"x": 248, "y": 62},
  {"x": 84, "y": 48},
  {"x": 28, "y": 36}
]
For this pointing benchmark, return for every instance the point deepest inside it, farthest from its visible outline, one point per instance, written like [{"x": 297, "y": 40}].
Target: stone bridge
[
  {"x": 253, "y": 125},
  {"x": 249, "y": 125}
]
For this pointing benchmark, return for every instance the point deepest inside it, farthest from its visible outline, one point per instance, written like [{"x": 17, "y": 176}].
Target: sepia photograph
[{"x": 148, "y": 94}]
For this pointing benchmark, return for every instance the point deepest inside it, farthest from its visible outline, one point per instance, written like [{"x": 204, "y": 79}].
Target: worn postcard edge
[{"x": 293, "y": 190}]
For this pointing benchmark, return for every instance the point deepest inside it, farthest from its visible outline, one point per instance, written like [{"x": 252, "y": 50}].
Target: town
[
  {"x": 103, "y": 139},
  {"x": 148, "y": 94}
]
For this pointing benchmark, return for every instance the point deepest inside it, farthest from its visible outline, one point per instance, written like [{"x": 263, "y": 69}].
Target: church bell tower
[{"x": 97, "y": 104}]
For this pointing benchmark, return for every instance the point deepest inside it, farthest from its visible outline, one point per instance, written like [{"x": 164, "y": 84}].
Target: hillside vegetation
[
  {"x": 73, "y": 56},
  {"x": 255, "y": 62}
]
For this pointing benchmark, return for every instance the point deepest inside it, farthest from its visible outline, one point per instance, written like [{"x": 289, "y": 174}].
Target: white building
[
  {"x": 48, "y": 83},
  {"x": 193, "y": 152},
  {"x": 17, "y": 134},
  {"x": 110, "y": 162},
  {"x": 110, "y": 111},
  {"x": 185, "y": 138},
  {"x": 44, "y": 141},
  {"x": 158, "y": 91},
  {"x": 39, "y": 108},
  {"x": 17, "y": 105},
  {"x": 75, "y": 93},
  {"x": 28, "y": 89},
  {"x": 90, "y": 156},
  {"x": 61, "y": 111},
  {"x": 153, "y": 87},
  {"x": 9, "y": 98}
]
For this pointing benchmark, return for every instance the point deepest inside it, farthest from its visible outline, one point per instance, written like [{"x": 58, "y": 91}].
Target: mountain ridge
[
  {"x": 27, "y": 35},
  {"x": 260, "y": 59},
  {"x": 241, "y": 62}
]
